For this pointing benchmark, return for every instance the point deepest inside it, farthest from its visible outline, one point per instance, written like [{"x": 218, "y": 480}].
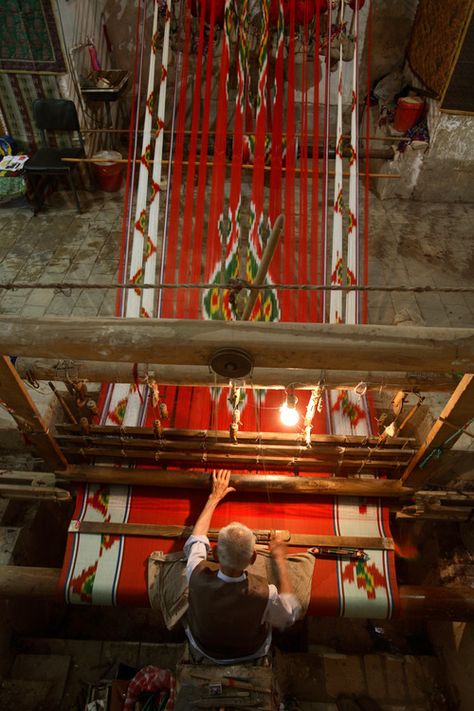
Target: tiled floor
[{"x": 411, "y": 244}]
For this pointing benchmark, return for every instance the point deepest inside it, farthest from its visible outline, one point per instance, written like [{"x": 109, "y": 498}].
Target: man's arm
[
  {"x": 278, "y": 550},
  {"x": 283, "y": 608},
  {"x": 220, "y": 489},
  {"x": 196, "y": 547}
]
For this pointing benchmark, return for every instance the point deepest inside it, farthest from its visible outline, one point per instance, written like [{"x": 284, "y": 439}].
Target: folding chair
[{"x": 54, "y": 115}]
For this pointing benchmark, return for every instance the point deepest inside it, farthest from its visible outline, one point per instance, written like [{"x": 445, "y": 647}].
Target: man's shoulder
[{"x": 205, "y": 567}]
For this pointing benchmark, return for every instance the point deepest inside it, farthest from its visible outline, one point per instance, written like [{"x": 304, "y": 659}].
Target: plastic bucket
[
  {"x": 409, "y": 111},
  {"x": 108, "y": 172}
]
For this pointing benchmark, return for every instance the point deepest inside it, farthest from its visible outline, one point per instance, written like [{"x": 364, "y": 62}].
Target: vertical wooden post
[
  {"x": 25, "y": 413},
  {"x": 457, "y": 412}
]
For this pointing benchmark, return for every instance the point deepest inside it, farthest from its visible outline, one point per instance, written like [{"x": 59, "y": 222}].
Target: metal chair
[{"x": 54, "y": 115}]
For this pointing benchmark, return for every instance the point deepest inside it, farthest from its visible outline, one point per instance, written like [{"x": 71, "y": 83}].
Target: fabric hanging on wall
[
  {"x": 17, "y": 93},
  {"x": 29, "y": 39}
]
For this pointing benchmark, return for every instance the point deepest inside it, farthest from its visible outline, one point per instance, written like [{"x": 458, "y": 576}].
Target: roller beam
[
  {"x": 273, "y": 345},
  {"x": 266, "y": 483},
  {"x": 438, "y": 603},
  {"x": 197, "y": 375}
]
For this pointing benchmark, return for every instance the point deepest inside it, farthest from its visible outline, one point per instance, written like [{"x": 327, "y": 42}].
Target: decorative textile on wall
[
  {"x": 435, "y": 38},
  {"x": 29, "y": 40},
  {"x": 113, "y": 569},
  {"x": 17, "y": 93}
]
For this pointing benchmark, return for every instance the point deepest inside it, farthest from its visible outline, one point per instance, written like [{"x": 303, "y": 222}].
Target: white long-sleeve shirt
[{"x": 282, "y": 610}]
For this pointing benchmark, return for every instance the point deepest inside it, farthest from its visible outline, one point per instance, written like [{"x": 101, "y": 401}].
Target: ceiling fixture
[
  {"x": 289, "y": 415},
  {"x": 231, "y": 363}
]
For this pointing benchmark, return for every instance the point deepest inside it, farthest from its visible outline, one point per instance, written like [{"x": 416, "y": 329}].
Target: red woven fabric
[
  {"x": 288, "y": 300},
  {"x": 168, "y": 299},
  {"x": 182, "y": 301},
  {"x": 303, "y": 301},
  {"x": 194, "y": 298},
  {"x": 315, "y": 276}
]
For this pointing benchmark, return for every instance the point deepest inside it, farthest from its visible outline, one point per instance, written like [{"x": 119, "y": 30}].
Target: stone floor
[{"x": 411, "y": 244}]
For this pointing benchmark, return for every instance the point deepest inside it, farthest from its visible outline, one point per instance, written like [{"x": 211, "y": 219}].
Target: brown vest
[{"x": 226, "y": 618}]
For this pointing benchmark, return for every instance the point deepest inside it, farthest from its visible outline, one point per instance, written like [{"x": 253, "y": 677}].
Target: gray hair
[{"x": 235, "y": 546}]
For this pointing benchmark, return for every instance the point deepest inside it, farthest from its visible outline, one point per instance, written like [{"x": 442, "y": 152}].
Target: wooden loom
[{"x": 193, "y": 343}]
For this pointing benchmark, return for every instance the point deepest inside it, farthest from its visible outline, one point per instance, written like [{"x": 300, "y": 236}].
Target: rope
[{"x": 64, "y": 287}]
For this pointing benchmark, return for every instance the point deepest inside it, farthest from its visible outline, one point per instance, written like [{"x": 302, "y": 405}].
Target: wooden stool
[{"x": 236, "y": 686}]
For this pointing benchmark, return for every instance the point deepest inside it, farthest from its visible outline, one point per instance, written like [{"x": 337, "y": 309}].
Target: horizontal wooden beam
[
  {"x": 233, "y": 461},
  {"x": 265, "y": 483},
  {"x": 198, "y": 375},
  {"x": 27, "y": 492},
  {"x": 297, "y": 449},
  {"x": 438, "y": 603},
  {"x": 273, "y": 345},
  {"x": 210, "y": 436},
  {"x": 29, "y": 582},
  {"x": 300, "y": 540}
]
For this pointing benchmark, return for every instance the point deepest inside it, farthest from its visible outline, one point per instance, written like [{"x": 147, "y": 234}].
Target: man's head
[{"x": 236, "y": 546}]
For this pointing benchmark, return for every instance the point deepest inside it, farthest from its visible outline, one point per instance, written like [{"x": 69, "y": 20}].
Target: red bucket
[
  {"x": 409, "y": 111},
  {"x": 108, "y": 173}
]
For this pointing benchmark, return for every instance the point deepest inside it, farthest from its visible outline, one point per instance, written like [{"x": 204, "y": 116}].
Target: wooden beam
[
  {"x": 295, "y": 449},
  {"x": 29, "y": 582},
  {"x": 265, "y": 483},
  {"x": 274, "y": 345},
  {"x": 438, "y": 603},
  {"x": 26, "y": 415},
  {"x": 232, "y": 461},
  {"x": 206, "y": 436},
  {"x": 197, "y": 375},
  {"x": 301, "y": 540},
  {"x": 25, "y": 492},
  {"x": 457, "y": 412}
]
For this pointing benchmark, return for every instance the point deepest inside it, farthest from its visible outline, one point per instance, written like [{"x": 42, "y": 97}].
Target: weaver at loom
[
  {"x": 201, "y": 235},
  {"x": 231, "y": 611}
]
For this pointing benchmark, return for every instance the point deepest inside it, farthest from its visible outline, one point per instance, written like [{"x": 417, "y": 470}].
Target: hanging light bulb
[{"x": 289, "y": 415}]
